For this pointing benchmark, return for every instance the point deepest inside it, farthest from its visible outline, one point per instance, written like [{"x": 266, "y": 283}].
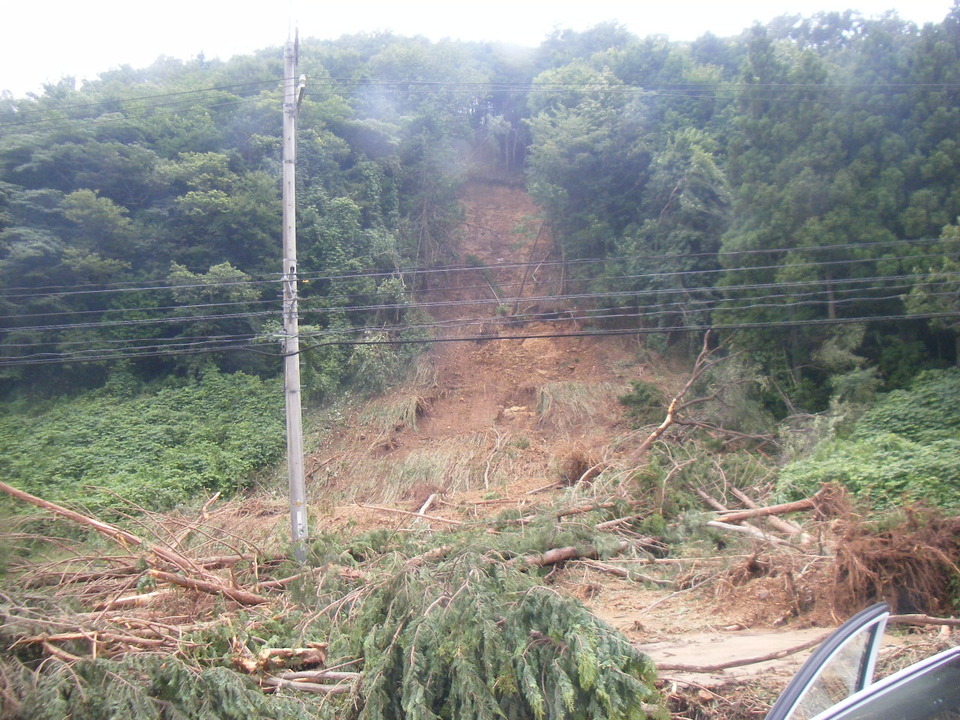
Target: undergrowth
[
  {"x": 903, "y": 449},
  {"x": 157, "y": 449}
]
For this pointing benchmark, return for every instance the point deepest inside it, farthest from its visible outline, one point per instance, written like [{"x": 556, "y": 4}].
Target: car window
[
  {"x": 929, "y": 690},
  {"x": 841, "y": 666},
  {"x": 839, "y": 678}
]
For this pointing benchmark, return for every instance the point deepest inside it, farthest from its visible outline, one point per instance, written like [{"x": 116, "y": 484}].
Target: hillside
[
  {"x": 486, "y": 411},
  {"x": 506, "y": 454},
  {"x": 493, "y": 425}
]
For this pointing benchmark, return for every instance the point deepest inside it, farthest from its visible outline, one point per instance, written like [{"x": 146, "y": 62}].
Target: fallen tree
[
  {"x": 453, "y": 630},
  {"x": 156, "y": 553}
]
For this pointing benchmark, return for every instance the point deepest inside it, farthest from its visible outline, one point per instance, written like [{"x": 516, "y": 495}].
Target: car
[{"x": 836, "y": 682}]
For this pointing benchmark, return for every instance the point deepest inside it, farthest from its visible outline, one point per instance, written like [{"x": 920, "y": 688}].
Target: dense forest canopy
[{"x": 797, "y": 185}]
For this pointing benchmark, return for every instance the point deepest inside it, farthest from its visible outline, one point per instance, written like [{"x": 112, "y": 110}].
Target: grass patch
[
  {"x": 396, "y": 413},
  {"x": 456, "y": 464},
  {"x": 158, "y": 449},
  {"x": 565, "y": 405}
]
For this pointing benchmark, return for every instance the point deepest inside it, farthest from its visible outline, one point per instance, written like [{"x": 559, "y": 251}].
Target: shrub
[
  {"x": 156, "y": 449},
  {"x": 645, "y": 403},
  {"x": 903, "y": 449}
]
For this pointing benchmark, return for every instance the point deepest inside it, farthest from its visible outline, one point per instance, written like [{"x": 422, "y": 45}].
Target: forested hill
[{"x": 798, "y": 182}]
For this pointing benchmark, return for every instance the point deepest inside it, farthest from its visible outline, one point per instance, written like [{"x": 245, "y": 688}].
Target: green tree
[{"x": 937, "y": 292}]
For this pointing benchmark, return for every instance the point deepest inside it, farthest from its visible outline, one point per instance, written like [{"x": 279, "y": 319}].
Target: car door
[
  {"x": 927, "y": 690},
  {"x": 842, "y": 666}
]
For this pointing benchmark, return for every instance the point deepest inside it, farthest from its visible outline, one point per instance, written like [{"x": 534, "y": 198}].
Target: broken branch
[
  {"x": 241, "y": 596},
  {"x": 123, "y": 537},
  {"x": 749, "y": 530},
  {"x": 745, "y": 661},
  {"x": 415, "y": 514},
  {"x": 676, "y": 404},
  {"x": 624, "y": 573},
  {"x": 738, "y": 515}
]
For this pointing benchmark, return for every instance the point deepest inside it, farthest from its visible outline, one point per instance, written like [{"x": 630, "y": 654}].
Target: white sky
[{"x": 46, "y": 40}]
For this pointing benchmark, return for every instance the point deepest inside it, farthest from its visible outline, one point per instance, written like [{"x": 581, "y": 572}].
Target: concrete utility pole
[{"x": 292, "y": 94}]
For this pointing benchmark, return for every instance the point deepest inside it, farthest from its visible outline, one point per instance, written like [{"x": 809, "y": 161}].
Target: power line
[
  {"x": 306, "y": 310},
  {"x": 726, "y": 294},
  {"x": 339, "y": 336},
  {"x": 107, "y": 104},
  {"x": 641, "y": 330},
  {"x": 113, "y": 311},
  {"x": 121, "y": 310},
  {"x": 161, "y": 285},
  {"x": 693, "y": 303},
  {"x": 12, "y": 362},
  {"x": 723, "y": 90}
]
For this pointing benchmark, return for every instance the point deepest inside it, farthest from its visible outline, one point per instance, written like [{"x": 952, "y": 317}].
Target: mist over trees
[{"x": 790, "y": 185}]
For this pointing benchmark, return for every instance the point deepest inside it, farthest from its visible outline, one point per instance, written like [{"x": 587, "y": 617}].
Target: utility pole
[{"x": 292, "y": 94}]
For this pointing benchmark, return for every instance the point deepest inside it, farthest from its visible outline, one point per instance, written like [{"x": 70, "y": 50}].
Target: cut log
[
  {"x": 738, "y": 515},
  {"x": 783, "y": 525},
  {"x": 275, "y": 682},
  {"x": 746, "y": 527},
  {"x": 922, "y": 620},
  {"x": 243, "y": 597},
  {"x": 748, "y": 530},
  {"x": 559, "y": 555},
  {"x": 335, "y": 675},
  {"x": 127, "y": 601}
]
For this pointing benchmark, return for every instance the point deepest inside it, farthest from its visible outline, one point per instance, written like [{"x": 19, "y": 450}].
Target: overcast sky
[{"x": 46, "y": 40}]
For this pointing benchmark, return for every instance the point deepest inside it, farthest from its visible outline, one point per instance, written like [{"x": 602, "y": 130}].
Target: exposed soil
[
  {"x": 480, "y": 404},
  {"x": 484, "y": 385}
]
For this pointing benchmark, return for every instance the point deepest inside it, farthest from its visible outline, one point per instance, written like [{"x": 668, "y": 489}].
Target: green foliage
[
  {"x": 157, "y": 449},
  {"x": 684, "y": 192},
  {"x": 474, "y": 638},
  {"x": 151, "y": 687},
  {"x": 645, "y": 403},
  {"x": 937, "y": 293},
  {"x": 903, "y": 449},
  {"x": 927, "y": 411},
  {"x": 667, "y": 493}
]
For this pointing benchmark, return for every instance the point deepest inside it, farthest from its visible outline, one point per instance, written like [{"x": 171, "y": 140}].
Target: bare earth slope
[{"x": 489, "y": 424}]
